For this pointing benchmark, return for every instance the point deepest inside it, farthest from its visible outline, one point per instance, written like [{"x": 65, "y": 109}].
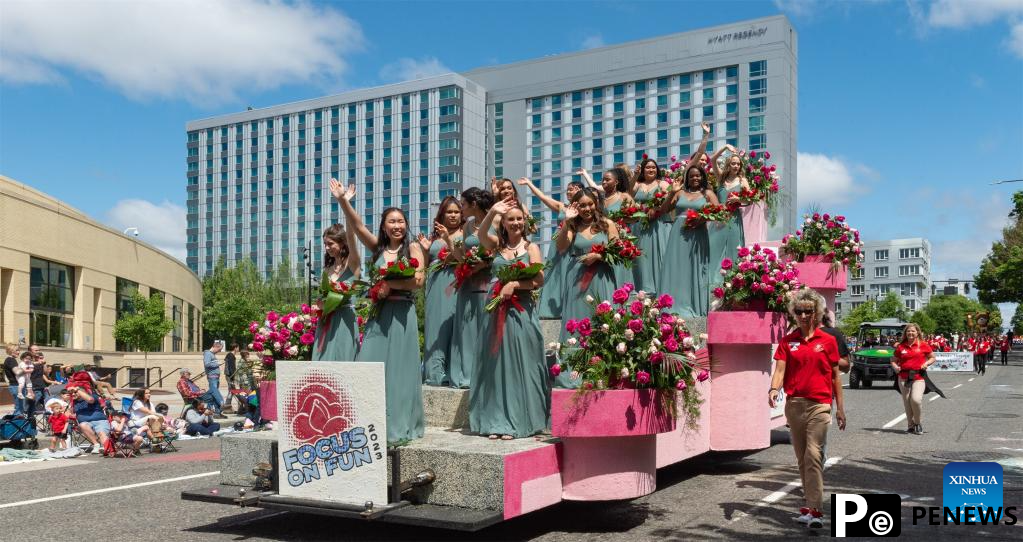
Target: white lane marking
[
  {"x": 108, "y": 489},
  {"x": 935, "y": 398},
  {"x": 956, "y": 386},
  {"x": 895, "y": 421},
  {"x": 970, "y": 380},
  {"x": 1010, "y": 449},
  {"x": 781, "y": 493}
]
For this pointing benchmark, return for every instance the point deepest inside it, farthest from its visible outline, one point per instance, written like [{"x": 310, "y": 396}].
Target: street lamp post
[{"x": 307, "y": 256}]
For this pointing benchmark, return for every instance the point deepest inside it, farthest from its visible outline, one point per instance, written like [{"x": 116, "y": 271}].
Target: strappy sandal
[
  {"x": 492, "y": 437},
  {"x": 507, "y": 437}
]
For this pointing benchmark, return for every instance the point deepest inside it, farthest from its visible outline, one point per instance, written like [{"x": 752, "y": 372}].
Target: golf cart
[{"x": 875, "y": 346}]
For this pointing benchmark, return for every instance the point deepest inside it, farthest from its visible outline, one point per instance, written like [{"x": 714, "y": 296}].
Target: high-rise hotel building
[{"x": 257, "y": 180}]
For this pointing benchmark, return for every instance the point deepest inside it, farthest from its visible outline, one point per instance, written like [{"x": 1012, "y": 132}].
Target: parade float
[{"x": 654, "y": 390}]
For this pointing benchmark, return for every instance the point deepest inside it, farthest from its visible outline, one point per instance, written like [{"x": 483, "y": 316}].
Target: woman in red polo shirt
[
  {"x": 806, "y": 364},
  {"x": 912, "y": 357}
]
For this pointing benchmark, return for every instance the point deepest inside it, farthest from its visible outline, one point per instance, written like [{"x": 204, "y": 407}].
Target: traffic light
[
  {"x": 934, "y": 289},
  {"x": 966, "y": 287}
]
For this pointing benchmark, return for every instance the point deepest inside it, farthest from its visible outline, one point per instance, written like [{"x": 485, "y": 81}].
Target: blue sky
[{"x": 907, "y": 110}]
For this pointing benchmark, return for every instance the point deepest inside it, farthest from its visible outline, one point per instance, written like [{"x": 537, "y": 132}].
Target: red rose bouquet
[
  {"x": 443, "y": 260},
  {"x": 762, "y": 179},
  {"x": 468, "y": 267},
  {"x": 627, "y": 214},
  {"x": 708, "y": 213},
  {"x": 402, "y": 268}
]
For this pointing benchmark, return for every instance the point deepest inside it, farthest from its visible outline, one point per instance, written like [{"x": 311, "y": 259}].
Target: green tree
[
  {"x": 144, "y": 326},
  {"x": 867, "y": 312},
  {"x": 926, "y": 323},
  {"x": 949, "y": 313},
  {"x": 1017, "y": 320},
  {"x": 1000, "y": 278},
  {"x": 892, "y": 306},
  {"x": 232, "y": 297}
]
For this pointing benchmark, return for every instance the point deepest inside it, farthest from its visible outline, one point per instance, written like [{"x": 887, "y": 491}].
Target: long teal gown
[
  {"x": 622, "y": 274},
  {"x": 554, "y": 277},
  {"x": 392, "y": 337},
  {"x": 725, "y": 238},
  {"x": 337, "y": 333},
  {"x": 468, "y": 323},
  {"x": 439, "y": 324},
  {"x": 650, "y": 239},
  {"x": 510, "y": 393},
  {"x": 574, "y": 305},
  {"x": 685, "y": 263}
]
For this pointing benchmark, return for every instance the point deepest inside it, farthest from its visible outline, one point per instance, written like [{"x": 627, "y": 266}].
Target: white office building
[
  {"x": 902, "y": 266},
  {"x": 257, "y": 180}
]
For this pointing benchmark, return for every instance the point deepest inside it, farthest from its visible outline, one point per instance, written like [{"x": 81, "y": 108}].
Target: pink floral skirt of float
[{"x": 754, "y": 223}]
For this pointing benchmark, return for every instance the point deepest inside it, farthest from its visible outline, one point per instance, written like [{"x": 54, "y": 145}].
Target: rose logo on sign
[
  {"x": 319, "y": 411},
  {"x": 325, "y": 435}
]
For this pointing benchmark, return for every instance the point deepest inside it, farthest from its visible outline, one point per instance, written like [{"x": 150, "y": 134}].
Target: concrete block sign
[{"x": 333, "y": 435}]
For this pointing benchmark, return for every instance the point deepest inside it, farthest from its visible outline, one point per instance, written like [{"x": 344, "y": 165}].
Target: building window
[
  {"x": 177, "y": 310},
  {"x": 757, "y": 86},
  {"x": 52, "y": 303},
  {"x": 757, "y": 141},
  {"x": 758, "y": 68},
  {"x": 881, "y": 272},
  {"x": 906, "y": 253},
  {"x": 909, "y": 270},
  {"x": 881, "y": 255},
  {"x": 857, "y": 289},
  {"x": 756, "y": 124},
  {"x": 125, "y": 290},
  {"x": 191, "y": 325},
  {"x": 857, "y": 274},
  {"x": 911, "y": 304},
  {"x": 757, "y": 105}
]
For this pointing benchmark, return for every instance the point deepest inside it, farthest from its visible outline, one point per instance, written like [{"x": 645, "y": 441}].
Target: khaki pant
[
  {"x": 808, "y": 424},
  {"x": 912, "y": 399}
]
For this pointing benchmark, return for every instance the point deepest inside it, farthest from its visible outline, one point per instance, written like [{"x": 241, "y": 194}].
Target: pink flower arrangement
[
  {"x": 631, "y": 341},
  {"x": 288, "y": 337},
  {"x": 757, "y": 276},
  {"x": 828, "y": 236}
]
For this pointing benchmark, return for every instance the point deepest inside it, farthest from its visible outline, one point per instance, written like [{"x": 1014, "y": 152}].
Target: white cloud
[
  {"x": 961, "y": 14},
  {"x": 161, "y": 225},
  {"x": 797, "y": 8},
  {"x": 593, "y": 42},
  {"x": 1015, "y": 41},
  {"x": 827, "y": 181},
  {"x": 980, "y": 219},
  {"x": 204, "y": 52},
  {"x": 408, "y": 69},
  {"x": 967, "y": 13}
]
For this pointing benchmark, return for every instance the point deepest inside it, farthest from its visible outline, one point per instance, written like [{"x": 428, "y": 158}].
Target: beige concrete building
[{"x": 64, "y": 278}]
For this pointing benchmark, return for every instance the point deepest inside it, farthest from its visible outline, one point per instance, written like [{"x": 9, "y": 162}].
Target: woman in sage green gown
[
  {"x": 727, "y": 237},
  {"x": 685, "y": 264},
  {"x": 652, "y": 234},
  {"x": 438, "y": 328},
  {"x": 392, "y": 336},
  {"x": 337, "y": 332},
  {"x": 615, "y": 182},
  {"x": 587, "y": 274},
  {"x": 554, "y": 273},
  {"x": 471, "y": 296},
  {"x": 509, "y": 397}
]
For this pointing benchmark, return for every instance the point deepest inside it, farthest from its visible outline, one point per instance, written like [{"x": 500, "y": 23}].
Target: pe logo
[
  {"x": 970, "y": 489},
  {"x": 866, "y": 515}
]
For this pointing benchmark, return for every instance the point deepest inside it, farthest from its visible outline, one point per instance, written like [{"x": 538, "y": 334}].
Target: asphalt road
[{"x": 720, "y": 496}]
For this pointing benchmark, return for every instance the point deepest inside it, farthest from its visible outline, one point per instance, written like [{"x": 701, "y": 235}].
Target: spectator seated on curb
[
  {"x": 189, "y": 391},
  {"x": 88, "y": 411},
  {"x": 177, "y": 425},
  {"x": 199, "y": 418},
  {"x": 122, "y": 434}
]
